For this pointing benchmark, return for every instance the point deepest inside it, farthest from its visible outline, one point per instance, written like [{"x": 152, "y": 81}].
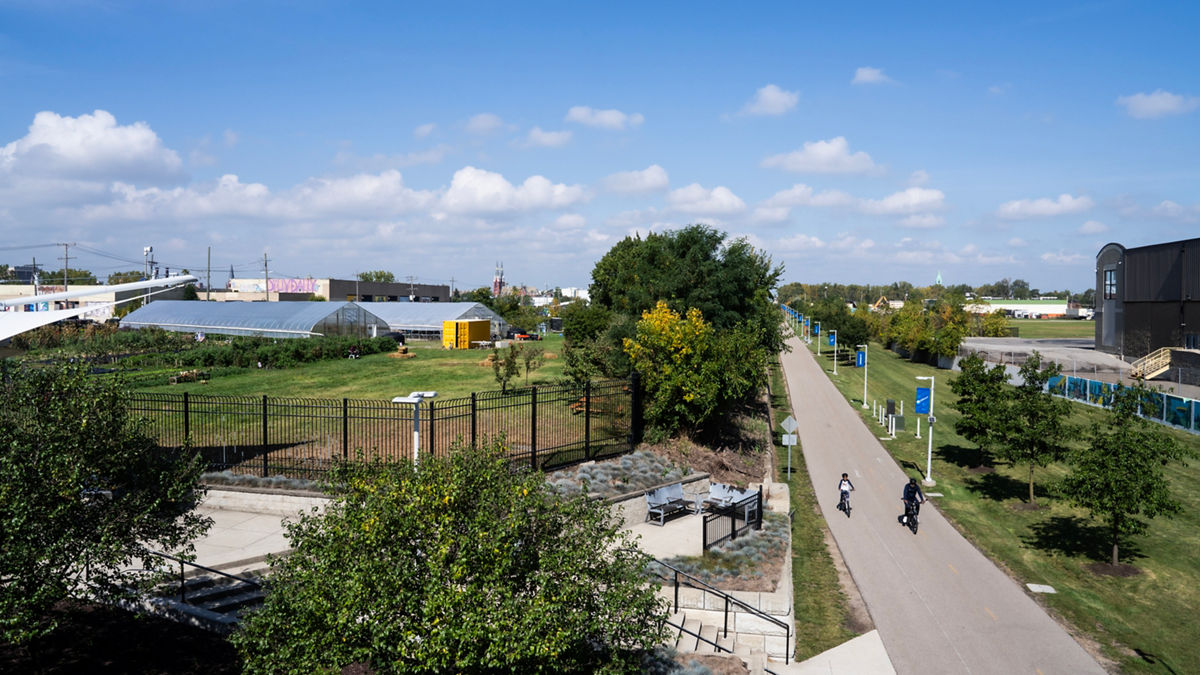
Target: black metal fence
[
  {"x": 543, "y": 427},
  {"x": 729, "y": 522}
]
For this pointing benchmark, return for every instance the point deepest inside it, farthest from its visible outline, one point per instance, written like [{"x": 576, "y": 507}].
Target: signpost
[
  {"x": 860, "y": 361},
  {"x": 817, "y": 332},
  {"x": 790, "y": 425},
  {"x": 924, "y": 405},
  {"x": 833, "y": 343}
]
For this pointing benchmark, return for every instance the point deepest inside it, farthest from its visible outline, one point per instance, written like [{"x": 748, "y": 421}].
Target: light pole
[
  {"x": 833, "y": 341},
  {"x": 415, "y": 399},
  {"x": 864, "y": 353},
  {"x": 929, "y": 453},
  {"x": 817, "y": 332}
]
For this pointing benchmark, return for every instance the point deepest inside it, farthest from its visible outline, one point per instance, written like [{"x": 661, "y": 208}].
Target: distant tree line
[{"x": 1004, "y": 289}]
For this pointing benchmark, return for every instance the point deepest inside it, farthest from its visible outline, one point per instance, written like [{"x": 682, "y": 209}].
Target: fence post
[
  {"x": 533, "y": 428},
  {"x": 264, "y": 443},
  {"x": 637, "y": 423},
  {"x": 345, "y": 429},
  {"x": 474, "y": 411},
  {"x": 186, "y": 427},
  {"x": 587, "y": 419},
  {"x": 759, "y": 510},
  {"x": 430, "y": 432}
]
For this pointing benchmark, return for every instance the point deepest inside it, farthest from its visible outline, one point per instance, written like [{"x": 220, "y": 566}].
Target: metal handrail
[
  {"x": 709, "y": 588},
  {"x": 182, "y": 585},
  {"x": 719, "y": 647}
]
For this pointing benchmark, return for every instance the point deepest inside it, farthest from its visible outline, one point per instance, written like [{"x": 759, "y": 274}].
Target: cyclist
[
  {"x": 913, "y": 498},
  {"x": 844, "y": 488}
]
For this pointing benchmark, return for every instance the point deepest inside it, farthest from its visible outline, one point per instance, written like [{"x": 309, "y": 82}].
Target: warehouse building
[
  {"x": 349, "y": 290},
  {"x": 261, "y": 319},
  {"x": 423, "y": 320},
  {"x": 1148, "y": 298}
]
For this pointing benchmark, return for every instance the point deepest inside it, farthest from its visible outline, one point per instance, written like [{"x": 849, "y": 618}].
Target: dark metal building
[{"x": 1148, "y": 297}]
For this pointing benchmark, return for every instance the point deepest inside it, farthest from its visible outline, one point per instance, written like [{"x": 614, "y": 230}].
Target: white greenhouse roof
[
  {"x": 269, "y": 319},
  {"x": 426, "y": 316}
]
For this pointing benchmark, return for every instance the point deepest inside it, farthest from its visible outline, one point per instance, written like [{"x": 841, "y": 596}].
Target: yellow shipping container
[{"x": 462, "y": 334}]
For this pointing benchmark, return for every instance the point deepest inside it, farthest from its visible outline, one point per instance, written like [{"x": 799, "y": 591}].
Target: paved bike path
[{"x": 940, "y": 606}]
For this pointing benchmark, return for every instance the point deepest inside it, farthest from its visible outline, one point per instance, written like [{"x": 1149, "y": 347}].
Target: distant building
[
  {"x": 1148, "y": 297},
  {"x": 347, "y": 290}
]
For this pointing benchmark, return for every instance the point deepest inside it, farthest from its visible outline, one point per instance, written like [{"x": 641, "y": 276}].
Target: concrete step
[
  {"x": 708, "y": 633},
  {"x": 232, "y": 602},
  {"x": 687, "y": 640},
  {"x": 728, "y": 643}
]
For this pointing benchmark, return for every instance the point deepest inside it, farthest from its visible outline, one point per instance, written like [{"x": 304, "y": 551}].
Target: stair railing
[
  {"x": 1152, "y": 362},
  {"x": 716, "y": 646},
  {"x": 704, "y": 586},
  {"x": 183, "y": 586}
]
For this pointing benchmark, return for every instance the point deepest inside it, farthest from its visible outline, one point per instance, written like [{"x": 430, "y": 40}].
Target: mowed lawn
[
  {"x": 1037, "y": 329},
  {"x": 1144, "y": 622},
  {"x": 451, "y": 373}
]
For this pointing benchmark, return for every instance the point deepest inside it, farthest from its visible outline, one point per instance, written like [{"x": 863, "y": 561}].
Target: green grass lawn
[
  {"x": 451, "y": 373},
  {"x": 1036, "y": 329},
  {"x": 1149, "y": 614},
  {"x": 821, "y": 611}
]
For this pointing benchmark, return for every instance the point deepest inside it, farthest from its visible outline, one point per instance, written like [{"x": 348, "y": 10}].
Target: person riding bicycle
[
  {"x": 913, "y": 498},
  {"x": 844, "y": 488}
]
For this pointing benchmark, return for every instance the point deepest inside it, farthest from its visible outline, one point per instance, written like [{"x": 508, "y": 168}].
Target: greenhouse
[
  {"x": 424, "y": 319},
  {"x": 262, "y": 319}
]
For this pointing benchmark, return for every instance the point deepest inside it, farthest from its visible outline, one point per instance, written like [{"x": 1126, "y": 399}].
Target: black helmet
[{"x": 912, "y": 481}]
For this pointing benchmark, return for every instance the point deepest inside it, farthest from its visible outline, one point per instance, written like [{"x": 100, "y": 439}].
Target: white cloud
[
  {"x": 1043, "y": 207},
  {"x": 910, "y": 201},
  {"x": 89, "y": 146},
  {"x": 771, "y": 214},
  {"x": 923, "y": 221},
  {"x": 999, "y": 89},
  {"x": 1158, "y": 104},
  {"x": 832, "y": 156},
  {"x": 230, "y": 138},
  {"x": 803, "y": 195},
  {"x": 800, "y": 242},
  {"x": 1173, "y": 211},
  {"x": 918, "y": 178},
  {"x": 851, "y": 244},
  {"x": 1017, "y": 242},
  {"x": 614, "y": 120},
  {"x": 650, "y": 179},
  {"x": 484, "y": 123},
  {"x": 699, "y": 200},
  {"x": 1064, "y": 258},
  {"x": 547, "y": 139},
  {"x": 475, "y": 190},
  {"x": 424, "y": 130},
  {"x": 381, "y": 162},
  {"x": 570, "y": 221},
  {"x": 771, "y": 100},
  {"x": 869, "y": 75},
  {"x": 1092, "y": 227}
]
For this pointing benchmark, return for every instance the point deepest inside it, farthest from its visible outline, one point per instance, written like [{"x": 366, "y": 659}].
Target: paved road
[{"x": 940, "y": 605}]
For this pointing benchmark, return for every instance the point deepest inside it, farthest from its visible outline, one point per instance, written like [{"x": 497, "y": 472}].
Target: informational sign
[
  {"x": 860, "y": 359},
  {"x": 922, "y": 406},
  {"x": 790, "y": 440},
  {"x": 832, "y": 337},
  {"x": 790, "y": 425}
]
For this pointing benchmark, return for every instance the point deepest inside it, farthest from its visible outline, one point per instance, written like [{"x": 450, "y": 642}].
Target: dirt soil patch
[
  {"x": 719, "y": 665},
  {"x": 728, "y": 466},
  {"x": 1110, "y": 570},
  {"x": 101, "y": 639}
]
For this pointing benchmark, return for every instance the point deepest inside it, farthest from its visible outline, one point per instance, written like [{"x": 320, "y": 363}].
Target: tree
[
  {"x": 1035, "y": 429},
  {"x": 84, "y": 493},
  {"x": 127, "y": 277},
  {"x": 995, "y": 324},
  {"x": 981, "y": 400},
  {"x": 74, "y": 277},
  {"x": 506, "y": 365},
  {"x": 1121, "y": 476},
  {"x": 455, "y": 564},
  {"x": 532, "y": 356},
  {"x": 378, "y": 276}
]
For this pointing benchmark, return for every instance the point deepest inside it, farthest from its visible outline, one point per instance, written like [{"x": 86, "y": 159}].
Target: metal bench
[{"x": 666, "y": 501}]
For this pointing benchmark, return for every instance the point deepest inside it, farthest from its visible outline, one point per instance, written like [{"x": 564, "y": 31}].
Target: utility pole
[
  {"x": 451, "y": 288},
  {"x": 412, "y": 296},
  {"x": 146, "y": 251},
  {"x": 35, "y": 276},
  {"x": 208, "y": 277},
  {"x": 266, "y": 278},
  {"x": 66, "y": 264}
]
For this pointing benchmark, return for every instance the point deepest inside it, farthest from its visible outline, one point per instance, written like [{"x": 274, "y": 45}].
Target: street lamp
[
  {"x": 415, "y": 399},
  {"x": 929, "y": 453},
  {"x": 864, "y": 353}
]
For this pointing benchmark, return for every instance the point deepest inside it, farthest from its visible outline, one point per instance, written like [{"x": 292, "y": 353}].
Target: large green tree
[
  {"x": 455, "y": 564},
  {"x": 85, "y": 494},
  {"x": 1121, "y": 475},
  {"x": 1035, "y": 430},
  {"x": 981, "y": 402},
  {"x": 381, "y": 276}
]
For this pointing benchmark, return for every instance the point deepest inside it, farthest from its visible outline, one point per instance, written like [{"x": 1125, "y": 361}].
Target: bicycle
[
  {"x": 844, "y": 504},
  {"x": 911, "y": 508}
]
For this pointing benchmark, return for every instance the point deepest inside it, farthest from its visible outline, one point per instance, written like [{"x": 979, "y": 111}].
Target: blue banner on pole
[
  {"x": 860, "y": 359},
  {"x": 832, "y": 338},
  {"x": 806, "y": 323},
  {"x": 922, "y": 406},
  {"x": 816, "y": 328}
]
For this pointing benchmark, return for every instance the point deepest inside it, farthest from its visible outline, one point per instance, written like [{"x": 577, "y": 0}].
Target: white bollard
[{"x": 918, "y": 427}]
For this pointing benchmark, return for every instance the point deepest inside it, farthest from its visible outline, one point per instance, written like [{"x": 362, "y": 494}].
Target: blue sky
[{"x": 853, "y": 142}]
